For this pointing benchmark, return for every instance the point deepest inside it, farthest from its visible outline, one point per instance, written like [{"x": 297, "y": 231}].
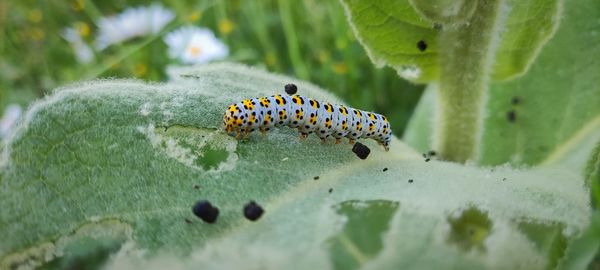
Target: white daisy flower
[
  {"x": 194, "y": 45},
  {"x": 131, "y": 23},
  {"x": 83, "y": 52},
  {"x": 12, "y": 113}
]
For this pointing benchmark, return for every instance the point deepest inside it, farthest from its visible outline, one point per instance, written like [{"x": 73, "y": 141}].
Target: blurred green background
[{"x": 310, "y": 40}]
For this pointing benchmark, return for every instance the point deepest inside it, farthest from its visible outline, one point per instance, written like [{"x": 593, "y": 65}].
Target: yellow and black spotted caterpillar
[{"x": 308, "y": 116}]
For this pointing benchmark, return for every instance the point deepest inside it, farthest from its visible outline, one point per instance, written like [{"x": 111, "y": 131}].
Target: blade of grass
[
  {"x": 106, "y": 65},
  {"x": 92, "y": 11},
  {"x": 292, "y": 40},
  {"x": 251, "y": 12}
]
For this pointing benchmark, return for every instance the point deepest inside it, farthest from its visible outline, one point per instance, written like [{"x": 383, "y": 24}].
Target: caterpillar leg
[
  {"x": 351, "y": 141},
  {"x": 263, "y": 132},
  {"x": 323, "y": 140},
  {"x": 385, "y": 147},
  {"x": 303, "y": 135},
  {"x": 238, "y": 134},
  {"x": 246, "y": 134},
  {"x": 337, "y": 141}
]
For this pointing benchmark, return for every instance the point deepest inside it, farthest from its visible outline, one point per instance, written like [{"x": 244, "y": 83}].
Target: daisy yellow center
[
  {"x": 83, "y": 28},
  {"x": 78, "y": 5},
  {"x": 35, "y": 16},
  {"x": 195, "y": 51},
  {"x": 195, "y": 16},
  {"x": 340, "y": 68},
  {"x": 226, "y": 26}
]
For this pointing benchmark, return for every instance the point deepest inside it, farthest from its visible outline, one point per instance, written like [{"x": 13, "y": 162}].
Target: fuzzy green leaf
[
  {"x": 558, "y": 100},
  {"x": 112, "y": 165},
  {"x": 445, "y": 11},
  {"x": 592, "y": 175},
  {"x": 585, "y": 248},
  {"x": 556, "y": 104},
  {"x": 390, "y": 30}
]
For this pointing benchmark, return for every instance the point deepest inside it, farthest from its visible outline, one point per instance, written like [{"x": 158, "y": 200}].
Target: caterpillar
[{"x": 308, "y": 116}]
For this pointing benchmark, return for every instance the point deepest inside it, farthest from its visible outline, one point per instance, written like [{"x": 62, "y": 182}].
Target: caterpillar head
[
  {"x": 386, "y": 143},
  {"x": 233, "y": 118},
  {"x": 387, "y": 139},
  {"x": 387, "y": 133}
]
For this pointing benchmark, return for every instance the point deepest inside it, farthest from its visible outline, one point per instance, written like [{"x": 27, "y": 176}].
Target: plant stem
[
  {"x": 466, "y": 62},
  {"x": 292, "y": 40}
]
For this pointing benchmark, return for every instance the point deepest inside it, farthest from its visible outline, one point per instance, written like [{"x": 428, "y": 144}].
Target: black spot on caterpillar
[
  {"x": 308, "y": 117},
  {"x": 206, "y": 211}
]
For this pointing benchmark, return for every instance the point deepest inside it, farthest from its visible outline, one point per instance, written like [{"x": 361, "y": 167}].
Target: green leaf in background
[
  {"x": 118, "y": 162},
  {"x": 556, "y": 104},
  {"x": 585, "y": 248},
  {"x": 592, "y": 175},
  {"x": 419, "y": 131},
  {"x": 559, "y": 98},
  {"x": 528, "y": 26},
  {"x": 472, "y": 43},
  {"x": 390, "y": 30}
]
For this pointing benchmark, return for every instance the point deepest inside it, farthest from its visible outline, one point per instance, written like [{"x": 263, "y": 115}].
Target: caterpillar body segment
[{"x": 308, "y": 116}]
